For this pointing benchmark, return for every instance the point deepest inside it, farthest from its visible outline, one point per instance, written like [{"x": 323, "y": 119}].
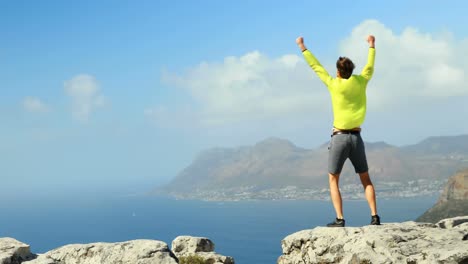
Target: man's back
[
  {"x": 349, "y": 101},
  {"x": 348, "y": 95}
]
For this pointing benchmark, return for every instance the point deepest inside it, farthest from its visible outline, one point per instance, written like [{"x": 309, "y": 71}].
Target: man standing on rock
[{"x": 348, "y": 95}]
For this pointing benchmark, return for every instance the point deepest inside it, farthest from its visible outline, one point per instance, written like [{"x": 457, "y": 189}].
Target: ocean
[{"x": 250, "y": 231}]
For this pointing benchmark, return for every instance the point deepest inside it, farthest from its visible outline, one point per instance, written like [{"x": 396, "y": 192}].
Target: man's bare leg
[
  {"x": 369, "y": 191},
  {"x": 335, "y": 194}
]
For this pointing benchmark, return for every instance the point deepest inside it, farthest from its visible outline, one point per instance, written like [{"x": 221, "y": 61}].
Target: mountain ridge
[{"x": 275, "y": 163}]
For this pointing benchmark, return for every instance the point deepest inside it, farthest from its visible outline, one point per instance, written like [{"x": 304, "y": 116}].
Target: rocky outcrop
[
  {"x": 129, "y": 252},
  {"x": 452, "y": 202},
  {"x": 185, "y": 246},
  {"x": 136, "y": 251},
  {"x": 13, "y": 251},
  {"x": 408, "y": 242}
]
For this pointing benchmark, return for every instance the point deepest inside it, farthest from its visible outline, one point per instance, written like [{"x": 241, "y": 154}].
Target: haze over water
[{"x": 250, "y": 231}]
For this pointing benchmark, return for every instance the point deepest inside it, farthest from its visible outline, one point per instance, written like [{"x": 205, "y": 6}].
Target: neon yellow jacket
[{"x": 348, "y": 95}]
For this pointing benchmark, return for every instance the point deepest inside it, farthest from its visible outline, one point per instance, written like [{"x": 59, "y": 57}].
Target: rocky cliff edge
[
  {"x": 129, "y": 252},
  {"x": 407, "y": 242}
]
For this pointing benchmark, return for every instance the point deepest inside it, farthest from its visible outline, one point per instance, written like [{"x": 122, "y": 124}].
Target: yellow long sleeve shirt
[{"x": 348, "y": 95}]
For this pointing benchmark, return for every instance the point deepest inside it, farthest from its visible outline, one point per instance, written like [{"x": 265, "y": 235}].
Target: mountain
[
  {"x": 276, "y": 164},
  {"x": 452, "y": 145},
  {"x": 271, "y": 163},
  {"x": 453, "y": 201}
]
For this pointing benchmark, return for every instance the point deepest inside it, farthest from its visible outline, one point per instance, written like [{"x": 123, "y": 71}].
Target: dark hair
[{"x": 345, "y": 67}]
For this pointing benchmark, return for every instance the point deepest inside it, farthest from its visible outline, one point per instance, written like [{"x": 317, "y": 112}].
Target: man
[{"x": 348, "y": 95}]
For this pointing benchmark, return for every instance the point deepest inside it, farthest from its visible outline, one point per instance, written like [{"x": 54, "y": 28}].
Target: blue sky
[{"x": 121, "y": 95}]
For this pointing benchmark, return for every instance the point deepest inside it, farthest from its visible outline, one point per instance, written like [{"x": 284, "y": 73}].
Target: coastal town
[{"x": 385, "y": 190}]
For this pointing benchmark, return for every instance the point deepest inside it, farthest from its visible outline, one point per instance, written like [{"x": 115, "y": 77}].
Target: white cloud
[
  {"x": 252, "y": 86},
  {"x": 409, "y": 65},
  {"x": 34, "y": 105},
  {"x": 85, "y": 93}
]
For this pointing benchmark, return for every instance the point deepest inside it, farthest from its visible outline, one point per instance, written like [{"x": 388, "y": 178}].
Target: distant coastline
[
  {"x": 385, "y": 190},
  {"x": 276, "y": 169}
]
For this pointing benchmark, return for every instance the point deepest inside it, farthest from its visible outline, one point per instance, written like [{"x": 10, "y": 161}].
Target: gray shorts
[{"x": 344, "y": 146}]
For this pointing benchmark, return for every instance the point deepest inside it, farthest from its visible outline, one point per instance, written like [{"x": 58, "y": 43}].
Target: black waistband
[{"x": 341, "y": 132}]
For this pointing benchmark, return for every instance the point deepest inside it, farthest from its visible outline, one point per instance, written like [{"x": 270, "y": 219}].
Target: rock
[
  {"x": 185, "y": 246},
  {"x": 408, "y": 242},
  {"x": 13, "y": 251},
  {"x": 452, "y": 222},
  {"x": 452, "y": 202},
  {"x": 129, "y": 252},
  {"x": 456, "y": 187}
]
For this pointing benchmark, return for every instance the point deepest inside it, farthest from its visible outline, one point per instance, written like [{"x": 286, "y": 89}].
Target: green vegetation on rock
[{"x": 192, "y": 259}]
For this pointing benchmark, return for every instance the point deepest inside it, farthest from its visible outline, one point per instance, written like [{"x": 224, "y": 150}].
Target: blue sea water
[{"x": 250, "y": 231}]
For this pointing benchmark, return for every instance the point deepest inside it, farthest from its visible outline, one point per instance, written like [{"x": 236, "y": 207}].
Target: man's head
[{"x": 345, "y": 67}]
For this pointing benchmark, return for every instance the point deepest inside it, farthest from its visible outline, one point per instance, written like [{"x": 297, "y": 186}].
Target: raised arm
[
  {"x": 313, "y": 62},
  {"x": 368, "y": 70}
]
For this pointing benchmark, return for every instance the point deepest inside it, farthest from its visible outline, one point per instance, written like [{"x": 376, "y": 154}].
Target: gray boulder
[
  {"x": 130, "y": 252},
  {"x": 13, "y": 251},
  {"x": 186, "y": 246},
  {"x": 407, "y": 242},
  {"x": 452, "y": 222}
]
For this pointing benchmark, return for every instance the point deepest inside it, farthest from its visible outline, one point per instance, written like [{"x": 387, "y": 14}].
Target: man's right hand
[
  {"x": 300, "y": 40},
  {"x": 371, "y": 41},
  {"x": 300, "y": 43}
]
